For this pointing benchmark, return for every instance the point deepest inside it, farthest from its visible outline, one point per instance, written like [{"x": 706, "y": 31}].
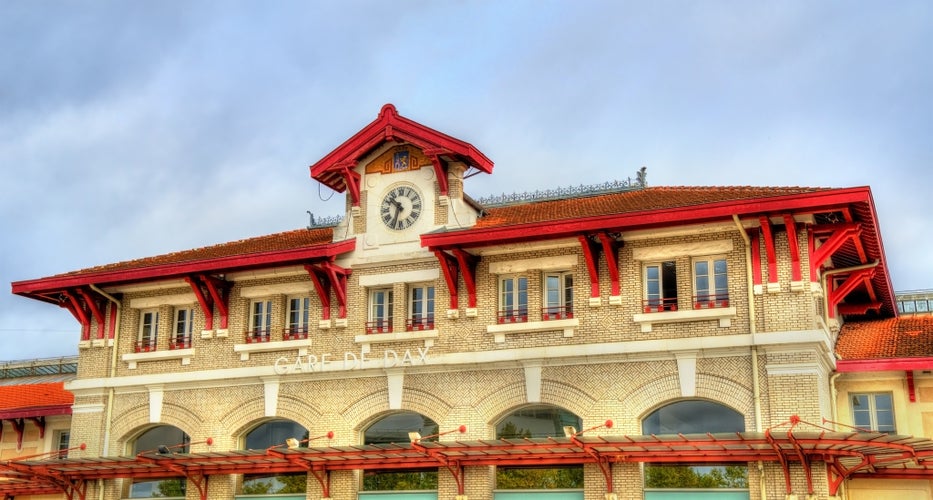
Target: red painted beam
[
  {"x": 206, "y": 301},
  {"x": 884, "y": 365},
  {"x": 769, "y": 248},
  {"x": 591, "y": 258},
  {"x": 322, "y": 286},
  {"x": 93, "y": 306},
  {"x": 611, "y": 251},
  {"x": 449, "y": 268},
  {"x": 791, "y": 227},
  {"x": 467, "y": 264}
]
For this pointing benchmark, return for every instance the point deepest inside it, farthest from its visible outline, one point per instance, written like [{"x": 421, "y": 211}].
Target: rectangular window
[
  {"x": 297, "y": 318},
  {"x": 660, "y": 287},
  {"x": 380, "y": 311},
  {"x": 148, "y": 331},
  {"x": 184, "y": 324},
  {"x": 421, "y": 308},
  {"x": 873, "y": 411},
  {"x": 922, "y": 306},
  {"x": 558, "y": 296},
  {"x": 260, "y": 321},
  {"x": 62, "y": 440},
  {"x": 711, "y": 283},
  {"x": 513, "y": 299}
]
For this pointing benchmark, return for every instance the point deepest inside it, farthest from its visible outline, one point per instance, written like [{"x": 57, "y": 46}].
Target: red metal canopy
[{"x": 846, "y": 454}]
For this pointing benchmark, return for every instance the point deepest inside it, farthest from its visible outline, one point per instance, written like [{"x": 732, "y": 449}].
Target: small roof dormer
[{"x": 336, "y": 169}]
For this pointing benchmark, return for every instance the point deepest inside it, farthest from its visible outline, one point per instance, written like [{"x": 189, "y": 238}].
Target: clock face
[{"x": 401, "y": 207}]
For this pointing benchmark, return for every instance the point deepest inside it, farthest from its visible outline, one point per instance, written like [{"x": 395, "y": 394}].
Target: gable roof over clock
[{"x": 334, "y": 169}]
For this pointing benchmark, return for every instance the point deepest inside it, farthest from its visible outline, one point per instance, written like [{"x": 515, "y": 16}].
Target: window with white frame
[
  {"x": 710, "y": 282},
  {"x": 380, "y": 311},
  {"x": 297, "y": 324},
  {"x": 513, "y": 299},
  {"x": 660, "y": 286},
  {"x": 873, "y": 411},
  {"x": 558, "y": 296},
  {"x": 62, "y": 442},
  {"x": 148, "y": 330},
  {"x": 184, "y": 325},
  {"x": 420, "y": 308},
  {"x": 260, "y": 321}
]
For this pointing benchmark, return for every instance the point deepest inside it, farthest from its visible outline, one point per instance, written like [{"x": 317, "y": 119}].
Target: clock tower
[{"x": 402, "y": 179}]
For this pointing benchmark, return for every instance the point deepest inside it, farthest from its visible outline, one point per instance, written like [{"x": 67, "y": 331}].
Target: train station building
[{"x": 614, "y": 341}]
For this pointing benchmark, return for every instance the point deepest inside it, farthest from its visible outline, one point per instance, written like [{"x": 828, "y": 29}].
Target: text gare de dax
[{"x": 351, "y": 361}]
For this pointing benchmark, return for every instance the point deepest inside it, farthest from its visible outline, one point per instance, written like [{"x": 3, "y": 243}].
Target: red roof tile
[
  {"x": 652, "y": 198},
  {"x": 907, "y": 337},
  {"x": 23, "y": 397},
  {"x": 288, "y": 240}
]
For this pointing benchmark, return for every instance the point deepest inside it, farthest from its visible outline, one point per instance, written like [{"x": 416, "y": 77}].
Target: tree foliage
[
  {"x": 686, "y": 476},
  {"x": 514, "y": 478},
  {"x": 398, "y": 481}
]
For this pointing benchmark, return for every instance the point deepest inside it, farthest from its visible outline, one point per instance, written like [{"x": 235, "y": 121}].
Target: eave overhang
[
  {"x": 35, "y": 411},
  {"x": 856, "y": 200},
  {"x": 333, "y": 169},
  {"x": 884, "y": 365},
  {"x": 46, "y": 288}
]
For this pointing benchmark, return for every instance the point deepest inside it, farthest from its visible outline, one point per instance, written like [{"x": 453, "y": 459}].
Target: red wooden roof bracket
[
  {"x": 769, "y": 248},
  {"x": 856, "y": 278},
  {"x": 327, "y": 276},
  {"x": 440, "y": 168},
  {"x": 449, "y": 267},
  {"x": 40, "y": 421},
  {"x": 94, "y": 307},
  {"x": 322, "y": 286},
  {"x": 841, "y": 233},
  {"x": 219, "y": 290},
  {"x": 591, "y": 256},
  {"x": 467, "y": 263},
  {"x": 352, "y": 180},
  {"x": 611, "y": 246},
  {"x": 791, "y": 227},
  {"x": 910, "y": 386},
  {"x": 78, "y": 311},
  {"x": 205, "y": 300}
]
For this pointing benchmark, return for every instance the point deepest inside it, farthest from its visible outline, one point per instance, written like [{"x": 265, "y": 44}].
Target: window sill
[
  {"x": 501, "y": 330},
  {"x": 723, "y": 314},
  {"x": 184, "y": 355},
  {"x": 378, "y": 338},
  {"x": 280, "y": 345}
]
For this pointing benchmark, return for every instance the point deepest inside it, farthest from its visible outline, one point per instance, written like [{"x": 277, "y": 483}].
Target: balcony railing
[
  {"x": 556, "y": 312},
  {"x": 258, "y": 336},
  {"x": 180, "y": 342},
  {"x": 659, "y": 305},
  {"x": 419, "y": 323},
  {"x": 513, "y": 316},
  {"x": 709, "y": 301},
  {"x": 148, "y": 345},
  {"x": 295, "y": 333},
  {"x": 379, "y": 326}
]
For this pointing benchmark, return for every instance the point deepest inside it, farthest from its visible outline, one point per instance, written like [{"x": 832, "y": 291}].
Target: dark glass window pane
[
  {"x": 274, "y": 434},
  {"x": 693, "y": 417}
]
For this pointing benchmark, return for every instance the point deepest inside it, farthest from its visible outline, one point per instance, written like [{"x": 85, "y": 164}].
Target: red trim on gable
[
  {"x": 390, "y": 126},
  {"x": 164, "y": 271},
  {"x": 883, "y": 365}
]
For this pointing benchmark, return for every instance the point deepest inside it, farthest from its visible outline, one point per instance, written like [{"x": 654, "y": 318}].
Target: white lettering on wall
[{"x": 313, "y": 363}]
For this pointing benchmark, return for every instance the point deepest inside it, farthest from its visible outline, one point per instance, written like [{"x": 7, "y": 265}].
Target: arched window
[
  {"x": 394, "y": 428},
  {"x": 267, "y": 435},
  {"x": 720, "y": 481},
  {"x": 539, "y": 421},
  {"x": 164, "y": 438}
]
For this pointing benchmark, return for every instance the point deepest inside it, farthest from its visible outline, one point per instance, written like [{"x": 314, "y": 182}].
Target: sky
[{"x": 133, "y": 129}]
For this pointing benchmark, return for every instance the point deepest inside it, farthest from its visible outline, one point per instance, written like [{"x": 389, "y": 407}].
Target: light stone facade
[{"x": 611, "y": 360}]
